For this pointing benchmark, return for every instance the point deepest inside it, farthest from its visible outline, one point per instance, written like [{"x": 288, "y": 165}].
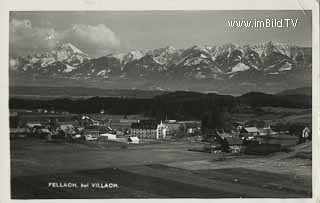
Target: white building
[
  {"x": 108, "y": 136},
  {"x": 162, "y": 130},
  {"x": 133, "y": 140}
]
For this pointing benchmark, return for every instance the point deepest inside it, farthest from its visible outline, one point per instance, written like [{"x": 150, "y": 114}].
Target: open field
[{"x": 156, "y": 170}]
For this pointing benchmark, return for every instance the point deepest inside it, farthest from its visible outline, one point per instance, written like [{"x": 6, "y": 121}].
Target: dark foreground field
[{"x": 158, "y": 170}]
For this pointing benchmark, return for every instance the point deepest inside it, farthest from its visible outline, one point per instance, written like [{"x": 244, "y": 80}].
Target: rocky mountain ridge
[{"x": 201, "y": 68}]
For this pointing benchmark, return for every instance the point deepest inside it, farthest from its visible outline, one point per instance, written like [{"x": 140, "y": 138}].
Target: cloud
[
  {"x": 25, "y": 38},
  {"x": 24, "y": 24},
  {"x": 90, "y": 38},
  {"x": 99, "y": 36}
]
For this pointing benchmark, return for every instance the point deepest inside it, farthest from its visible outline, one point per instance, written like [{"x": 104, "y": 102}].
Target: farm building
[
  {"x": 235, "y": 144},
  {"x": 91, "y": 134},
  {"x": 266, "y": 131},
  {"x": 88, "y": 121},
  {"x": 230, "y": 142},
  {"x": 133, "y": 140},
  {"x": 42, "y": 132},
  {"x": 226, "y": 142},
  {"x": 119, "y": 126},
  {"x": 32, "y": 125},
  {"x": 67, "y": 130},
  {"x": 249, "y": 132},
  {"x": 108, "y": 136}
]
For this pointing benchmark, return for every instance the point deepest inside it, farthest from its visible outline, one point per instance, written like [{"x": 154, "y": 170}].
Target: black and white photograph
[{"x": 160, "y": 104}]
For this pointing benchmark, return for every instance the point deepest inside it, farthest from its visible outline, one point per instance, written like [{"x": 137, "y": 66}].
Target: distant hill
[
  {"x": 77, "y": 92},
  {"x": 178, "y": 105},
  {"x": 297, "y": 91},
  {"x": 259, "y": 99}
]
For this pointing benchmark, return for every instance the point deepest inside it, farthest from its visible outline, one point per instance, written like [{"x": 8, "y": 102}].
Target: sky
[{"x": 100, "y": 33}]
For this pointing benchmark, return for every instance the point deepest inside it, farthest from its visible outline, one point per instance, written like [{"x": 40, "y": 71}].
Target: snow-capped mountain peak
[
  {"x": 69, "y": 53},
  {"x": 125, "y": 58},
  {"x": 208, "y": 64},
  {"x": 69, "y": 46}
]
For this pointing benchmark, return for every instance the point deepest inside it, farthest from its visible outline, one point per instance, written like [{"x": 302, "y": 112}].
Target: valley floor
[{"x": 153, "y": 170}]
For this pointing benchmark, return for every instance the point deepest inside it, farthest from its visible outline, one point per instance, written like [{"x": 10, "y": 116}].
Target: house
[
  {"x": 120, "y": 133},
  {"x": 266, "y": 131},
  {"x": 117, "y": 125},
  {"x": 249, "y": 132},
  {"x": 90, "y": 137},
  {"x": 89, "y": 121},
  {"x": 32, "y": 125},
  {"x": 108, "y": 136},
  {"x": 71, "y": 132},
  {"x": 231, "y": 142},
  {"x": 235, "y": 144},
  {"x": 224, "y": 141},
  {"x": 122, "y": 125},
  {"x": 306, "y": 134},
  {"x": 67, "y": 130},
  {"x": 91, "y": 134},
  {"x": 133, "y": 140},
  {"x": 101, "y": 129},
  {"x": 43, "y": 132},
  {"x": 252, "y": 130}
]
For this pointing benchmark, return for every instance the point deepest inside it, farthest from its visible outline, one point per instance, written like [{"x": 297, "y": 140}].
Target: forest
[{"x": 176, "y": 105}]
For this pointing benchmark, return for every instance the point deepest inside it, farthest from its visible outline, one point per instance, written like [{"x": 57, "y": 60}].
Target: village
[
  {"x": 245, "y": 136},
  {"x": 183, "y": 102},
  {"x": 263, "y": 152}
]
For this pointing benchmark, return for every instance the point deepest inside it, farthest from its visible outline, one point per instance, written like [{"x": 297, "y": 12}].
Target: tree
[{"x": 216, "y": 119}]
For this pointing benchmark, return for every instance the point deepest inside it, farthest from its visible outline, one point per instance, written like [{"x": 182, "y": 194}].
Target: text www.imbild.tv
[{"x": 265, "y": 23}]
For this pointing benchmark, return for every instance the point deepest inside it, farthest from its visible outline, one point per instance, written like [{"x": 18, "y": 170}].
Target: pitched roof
[
  {"x": 44, "y": 130},
  {"x": 145, "y": 124},
  {"x": 251, "y": 129},
  {"x": 266, "y": 131},
  {"x": 133, "y": 139},
  {"x": 31, "y": 125}
]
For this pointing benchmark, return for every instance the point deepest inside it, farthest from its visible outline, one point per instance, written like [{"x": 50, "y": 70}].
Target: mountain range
[
  {"x": 229, "y": 69},
  {"x": 297, "y": 91}
]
